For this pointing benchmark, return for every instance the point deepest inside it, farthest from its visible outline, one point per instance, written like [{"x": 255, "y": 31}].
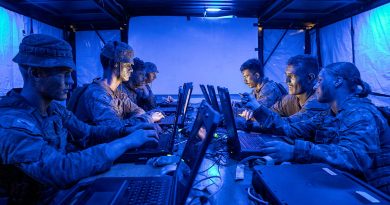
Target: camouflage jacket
[
  {"x": 268, "y": 93},
  {"x": 129, "y": 91},
  {"x": 33, "y": 155},
  {"x": 99, "y": 105},
  {"x": 286, "y": 111},
  {"x": 138, "y": 96},
  {"x": 146, "y": 101},
  {"x": 349, "y": 140}
]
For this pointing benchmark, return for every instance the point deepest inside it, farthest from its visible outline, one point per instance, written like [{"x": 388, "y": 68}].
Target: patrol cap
[
  {"x": 150, "y": 67},
  {"x": 139, "y": 65},
  {"x": 118, "y": 51},
  {"x": 39, "y": 50}
]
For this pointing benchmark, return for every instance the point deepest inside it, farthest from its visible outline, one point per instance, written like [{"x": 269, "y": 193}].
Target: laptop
[
  {"x": 317, "y": 183},
  {"x": 213, "y": 97},
  {"x": 166, "y": 143},
  {"x": 182, "y": 106},
  {"x": 160, "y": 189},
  {"x": 205, "y": 94},
  {"x": 241, "y": 144}
]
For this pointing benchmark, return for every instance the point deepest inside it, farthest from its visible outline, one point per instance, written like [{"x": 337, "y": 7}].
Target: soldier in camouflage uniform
[
  {"x": 301, "y": 102},
  {"x": 137, "y": 79},
  {"x": 352, "y": 136},
  {"x": 102, "y": 102},
  {"x": 266, "y": 91},
  {"x": 34, "y": 161},
  {"x": 145, "y": 96}
]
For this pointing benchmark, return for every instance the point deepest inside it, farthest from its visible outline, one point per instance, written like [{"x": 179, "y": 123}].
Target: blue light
[{"x": 213, "y": 9}]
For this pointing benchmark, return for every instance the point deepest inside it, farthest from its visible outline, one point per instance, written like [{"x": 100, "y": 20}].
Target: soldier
[
  {"x": 34, "y": 161},
  {"x": 266, "y": 92},
  {"x": 101, "y": 102},
  {"x": 145, "y": 96},
  {"x": 301, "y": 102},
  {"x": 136, "y": 81},
  {"x": 352, "y": 136}
]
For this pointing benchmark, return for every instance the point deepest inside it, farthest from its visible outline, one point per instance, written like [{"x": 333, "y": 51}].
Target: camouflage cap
[
  {"x": 118, "y": 51},
  {"x": 39, "y": 50},
  {"x": 150, "y": 67}
]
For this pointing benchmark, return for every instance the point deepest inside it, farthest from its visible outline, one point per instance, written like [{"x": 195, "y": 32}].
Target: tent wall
[
  {"x": 292, "y": 44},
  {"x": 88, "y": 46},
  {"x": 371, "y": 50},
  {"x": 13, "y": 27},
  {"x": 207, "y": 51}
]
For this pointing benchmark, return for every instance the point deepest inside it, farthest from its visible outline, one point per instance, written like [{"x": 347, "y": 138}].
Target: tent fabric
[
  {"x": 200, "y": 50},
  {"x": 335, "y": 41},
  {"x": 371, "y": 47},
  {"x": 292, "y": 44},
  {"x": 88, "y": 46},
  {"x": 14, "y": 27}
]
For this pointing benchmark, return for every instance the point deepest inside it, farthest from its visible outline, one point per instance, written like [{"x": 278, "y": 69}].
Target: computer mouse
[{"x": 149, "y": 145}]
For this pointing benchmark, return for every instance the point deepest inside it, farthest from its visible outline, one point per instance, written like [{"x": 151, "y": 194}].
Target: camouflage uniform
[
  {"x": 99, "y": 105},
  {"x": 354, "y": 140},
  {"x": 129, "y": 91},
  {"x": 147, "y": 102},
  {"x": 268, "y": 93},
  {"x": 33, "y": 156},
  {"x": 286, "y": 111}
]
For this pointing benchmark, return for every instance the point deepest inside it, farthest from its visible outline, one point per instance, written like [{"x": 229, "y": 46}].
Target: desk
[{"x": 225, "y": 189}]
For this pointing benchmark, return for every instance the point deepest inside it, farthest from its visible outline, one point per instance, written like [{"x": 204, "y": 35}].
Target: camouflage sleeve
[
  {"x": 357, "y": 142},
  {"x": 272, "y": 122},
  {"x": 269, "y": 95},
  {"x": 134, "y": 113},
  {"x": 28, "y": 151},
  {"x": 147, "y": 101},
  {"x": 87, "y": 135}
]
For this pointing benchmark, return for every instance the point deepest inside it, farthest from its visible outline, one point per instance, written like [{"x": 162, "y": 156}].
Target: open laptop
[
  {"x": 205, "y": 93},
  {"x": 166, "y": 143},
  {"x": 161, "y": 189},
  {"x": 182, "y": 107},
  {"x": 213, "y": 97},
  {"x": 241, "y": 144}
]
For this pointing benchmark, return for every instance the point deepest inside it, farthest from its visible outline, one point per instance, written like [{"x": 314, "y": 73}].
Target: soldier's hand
[
  {"x": 249, "y": 101},
  {"x": 247, "y": 114},
  {"x": 169, "y": 99},
  {"x": 157, "y": 116},
  {"x": 141, "y": 126},
  {"x": 279, "y": 151},
  {"x": 140, "y": 137}
]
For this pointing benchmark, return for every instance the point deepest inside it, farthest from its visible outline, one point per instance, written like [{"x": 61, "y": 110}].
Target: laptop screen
[
  {"x": 194, "y": 151},
  {"x": 205, "y": 94},
  {"x": 213, "y": 97},
  {"x": 233, "y": 141}
]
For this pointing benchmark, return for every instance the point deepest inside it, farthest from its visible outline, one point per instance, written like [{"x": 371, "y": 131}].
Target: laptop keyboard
[
  {"x": 148, "y": 190},
  {"x": 168, "y": 120},
  {"x": 251, "y": 141}
]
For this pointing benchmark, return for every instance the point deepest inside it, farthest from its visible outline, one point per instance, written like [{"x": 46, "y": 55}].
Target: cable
[{"x": 254, "y": 198}]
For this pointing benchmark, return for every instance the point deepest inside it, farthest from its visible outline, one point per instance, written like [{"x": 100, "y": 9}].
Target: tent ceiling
[{"x": 113, "y": 14}]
